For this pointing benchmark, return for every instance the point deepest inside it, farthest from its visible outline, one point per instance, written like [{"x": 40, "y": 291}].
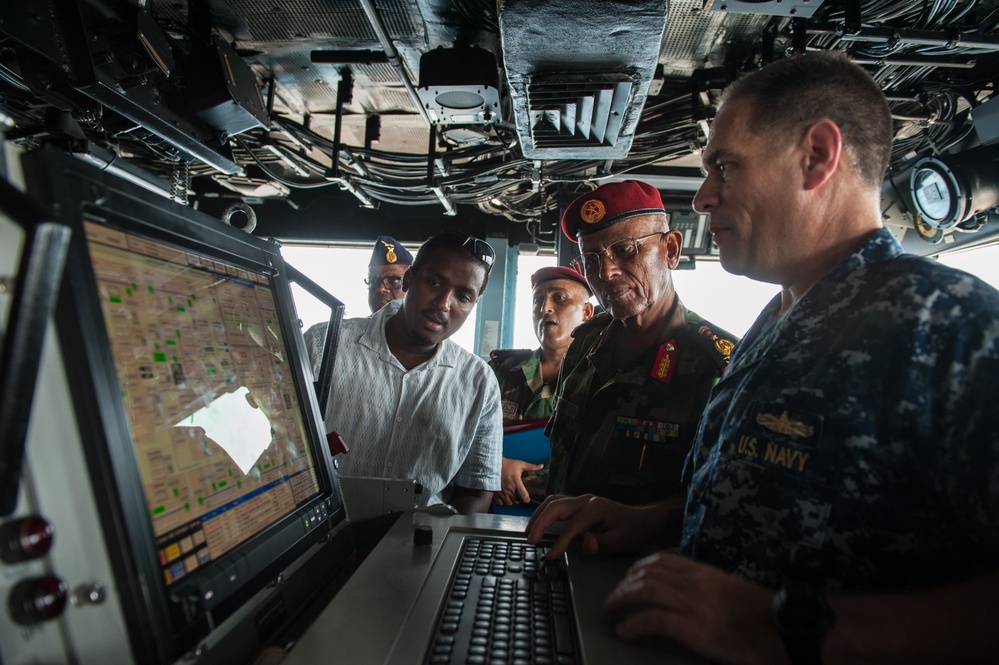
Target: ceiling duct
[{"x": 579, "y": 73}]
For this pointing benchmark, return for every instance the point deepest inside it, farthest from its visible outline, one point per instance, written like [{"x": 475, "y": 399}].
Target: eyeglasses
[
  {"x": 620, "y": 252},
  {"x": 390, "y": 282},
  {"x": 479, "y": 248}
]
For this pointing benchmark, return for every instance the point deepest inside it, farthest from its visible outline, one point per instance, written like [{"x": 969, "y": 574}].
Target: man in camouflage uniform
[
  {"x": 635, "y": 379},
  {"x": 844, "y": 499},
  {"x": 560, "y": 302}
]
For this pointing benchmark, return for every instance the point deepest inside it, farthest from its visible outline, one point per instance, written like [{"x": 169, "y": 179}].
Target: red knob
[
  {"x": 37, "y": 599},
  {"x": 25, "y": 538}
]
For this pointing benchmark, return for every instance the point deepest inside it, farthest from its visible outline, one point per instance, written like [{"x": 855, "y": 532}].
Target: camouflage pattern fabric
[
  {"x": 624, "y": 423},
  {"x": 853, "y": 443},
  {"x": 525, "y": 396}
]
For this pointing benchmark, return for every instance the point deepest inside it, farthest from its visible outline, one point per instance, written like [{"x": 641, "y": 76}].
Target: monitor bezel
[{"x": 163, "y": 623}]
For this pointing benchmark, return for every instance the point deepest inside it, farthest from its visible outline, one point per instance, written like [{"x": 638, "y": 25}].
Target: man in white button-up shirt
[{"x": 407, "y": 401}]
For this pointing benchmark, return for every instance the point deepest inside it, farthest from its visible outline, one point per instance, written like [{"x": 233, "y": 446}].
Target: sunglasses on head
[{"x": 480, "y": 249}]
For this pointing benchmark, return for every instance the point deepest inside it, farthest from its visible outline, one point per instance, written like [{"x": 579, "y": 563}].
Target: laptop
[{"x": 389, "y": 611}]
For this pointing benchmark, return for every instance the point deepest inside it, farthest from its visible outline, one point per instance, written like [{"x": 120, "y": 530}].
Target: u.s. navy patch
[{"x": 782, "y": 437}]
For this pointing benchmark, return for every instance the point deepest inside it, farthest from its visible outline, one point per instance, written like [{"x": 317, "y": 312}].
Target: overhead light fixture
[
  {"x": 459, "y": 86},
  {"x": 951, "y": 189}
]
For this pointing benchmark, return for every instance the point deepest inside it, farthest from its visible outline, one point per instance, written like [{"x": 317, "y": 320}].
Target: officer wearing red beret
[
  {"x": 528, "y": 378},
  {"x": 635, "y": 379}
]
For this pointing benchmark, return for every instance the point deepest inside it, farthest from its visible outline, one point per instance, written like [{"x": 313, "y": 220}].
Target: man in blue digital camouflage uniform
[
  {"x": 560, "y": 302},
  {"x": 844, "y": 487},
  {"x": 635, "y": 379}
]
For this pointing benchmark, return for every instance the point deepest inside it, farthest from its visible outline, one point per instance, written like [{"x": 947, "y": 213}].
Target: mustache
[{"x": 435, "y": 316}]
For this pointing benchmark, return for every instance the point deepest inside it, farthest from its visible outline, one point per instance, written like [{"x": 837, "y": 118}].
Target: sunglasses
[{"x": 479, "y": 248}]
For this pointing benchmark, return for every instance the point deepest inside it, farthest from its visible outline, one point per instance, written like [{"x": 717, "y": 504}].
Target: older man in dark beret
[
  {"x": 389, "y": 262},
  {"x": 561, "y": 301},
  {"x": 636, "y": 377}
]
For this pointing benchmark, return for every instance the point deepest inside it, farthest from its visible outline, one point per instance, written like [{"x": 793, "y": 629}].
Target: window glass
[
  {"x": 729, "y": 301},
  {"x": 983, "y": 262},
  {"x": 523, "y": 319}
]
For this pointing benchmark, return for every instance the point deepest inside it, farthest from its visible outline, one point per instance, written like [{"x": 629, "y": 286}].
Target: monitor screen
[
  {"x": 195, "y": 401},
  {"x": 206, "y": 386}
]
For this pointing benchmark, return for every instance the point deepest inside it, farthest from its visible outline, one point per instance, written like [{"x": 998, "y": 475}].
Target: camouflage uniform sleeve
[
  {"x": 583, "y": 336},
  {"x": 501, "y": 361},
  {"x": 963, "y": 458}
]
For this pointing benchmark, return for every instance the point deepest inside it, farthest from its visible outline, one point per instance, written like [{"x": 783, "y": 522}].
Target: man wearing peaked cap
[
  {"x": 635, "y": 379},
  {"x": 389, "y": 262},
  {"x": 528, "y": 378}
]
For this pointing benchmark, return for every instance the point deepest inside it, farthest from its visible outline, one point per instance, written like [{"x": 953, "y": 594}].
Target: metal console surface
[{"x": 381, "y": 616}]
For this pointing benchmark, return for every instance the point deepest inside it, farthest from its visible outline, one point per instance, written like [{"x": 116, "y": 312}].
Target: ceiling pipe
[{"x": 393, "y": 56}]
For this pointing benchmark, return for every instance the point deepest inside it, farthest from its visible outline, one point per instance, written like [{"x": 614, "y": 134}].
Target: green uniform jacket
[
  {"x": 525, "y": 396},
  {"x": 622, "y": 429}
]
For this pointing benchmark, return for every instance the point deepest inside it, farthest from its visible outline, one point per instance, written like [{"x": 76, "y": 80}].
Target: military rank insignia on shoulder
[{"x": 717, "y": 342}]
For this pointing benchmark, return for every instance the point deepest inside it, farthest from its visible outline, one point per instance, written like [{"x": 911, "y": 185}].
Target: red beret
[
  {"x": 609, "y": 204},
  {"x": 558, "y": 272}
]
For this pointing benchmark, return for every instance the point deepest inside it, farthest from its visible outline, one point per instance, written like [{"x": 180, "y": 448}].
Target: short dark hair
[
  {"x": 789, "y": 95},
  {"x": 462, "y": 244}
]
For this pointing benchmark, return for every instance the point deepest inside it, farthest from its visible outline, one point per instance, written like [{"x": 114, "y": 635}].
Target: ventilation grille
[
  {"x": 576, "y": 89},
  {"x": 581, "y": 111}
]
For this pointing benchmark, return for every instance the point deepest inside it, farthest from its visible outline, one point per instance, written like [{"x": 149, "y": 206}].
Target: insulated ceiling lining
[
  {"x": 692, "y": 35},
  {"x": 404, "y": 133}
]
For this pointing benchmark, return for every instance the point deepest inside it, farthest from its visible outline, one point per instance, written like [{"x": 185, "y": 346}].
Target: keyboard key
[
  {"x": 564, "y": 642},
  {"x": 519, "y": 609}
]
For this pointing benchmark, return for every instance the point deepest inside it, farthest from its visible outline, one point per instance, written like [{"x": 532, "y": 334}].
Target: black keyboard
[{"x": 506, "y": 604}]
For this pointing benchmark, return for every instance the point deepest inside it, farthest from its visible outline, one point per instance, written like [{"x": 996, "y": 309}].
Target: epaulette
[
  {"x": 601, "y": 320},
  {"x": 714, "y": 341},
  {"x": 518, "y": 355}
]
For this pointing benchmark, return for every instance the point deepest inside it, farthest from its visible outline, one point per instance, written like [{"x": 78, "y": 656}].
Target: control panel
[
  {"x": 57, "y": 592},
  {"x": 694, "y": 227}
]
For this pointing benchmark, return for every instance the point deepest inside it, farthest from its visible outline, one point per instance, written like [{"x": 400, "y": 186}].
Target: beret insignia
[
  {"x": 390, "y": 252},
  {"x": 592, "y": 211}
]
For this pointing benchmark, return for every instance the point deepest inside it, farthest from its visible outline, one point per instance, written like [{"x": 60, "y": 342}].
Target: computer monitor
[{"x": 193, "y": 394}]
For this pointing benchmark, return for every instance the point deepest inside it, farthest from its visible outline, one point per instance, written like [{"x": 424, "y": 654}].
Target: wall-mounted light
[
  {"x": 951, "y": 189},
  {"x": 460, "y": 86}
]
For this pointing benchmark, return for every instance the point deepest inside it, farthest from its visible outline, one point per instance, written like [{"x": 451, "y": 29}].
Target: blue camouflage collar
[{"x": 837, "y": 285}]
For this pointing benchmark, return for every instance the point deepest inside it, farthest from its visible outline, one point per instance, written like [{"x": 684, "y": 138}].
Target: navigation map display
[{"x": 219, "y": 437}]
